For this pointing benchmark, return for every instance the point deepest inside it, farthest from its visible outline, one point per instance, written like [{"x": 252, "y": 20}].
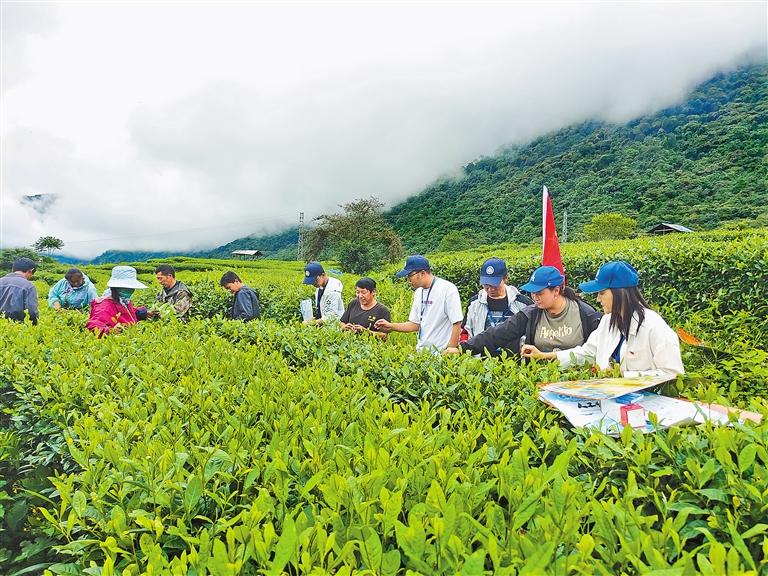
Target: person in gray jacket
[
  {"x": 174, "y": 292},
  {"x": 245, "y": 304},
  {"x": 18, "y": 294},
  {"x": 495, "y": 302}
]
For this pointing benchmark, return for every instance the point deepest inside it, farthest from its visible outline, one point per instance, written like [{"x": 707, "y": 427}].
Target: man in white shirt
[{"x": 436, "y": 312}]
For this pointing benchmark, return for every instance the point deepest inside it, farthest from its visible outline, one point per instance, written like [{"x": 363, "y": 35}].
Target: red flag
[{"x": 551, "y": 248}]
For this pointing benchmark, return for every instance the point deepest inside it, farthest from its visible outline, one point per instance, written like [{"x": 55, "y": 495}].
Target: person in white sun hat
[{"x": 114, "y": 310}]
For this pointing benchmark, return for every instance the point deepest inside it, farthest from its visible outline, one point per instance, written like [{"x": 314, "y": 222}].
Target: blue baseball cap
[
  {"x": 617, "y": 274},
  {"x": 493, "y": 271},
  {"x": 414, "y": 263},
  {"x": 311, "y": 271},
  {"x": 544, "y": 277}
]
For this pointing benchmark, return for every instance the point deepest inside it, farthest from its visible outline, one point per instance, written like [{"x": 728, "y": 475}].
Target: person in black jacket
[
  {"x": 245, "y": 304},
  {"x": 557, "y": 320}
]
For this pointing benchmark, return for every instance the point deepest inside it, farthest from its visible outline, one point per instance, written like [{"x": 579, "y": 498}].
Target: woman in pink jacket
[{"x": 114, "y": 310}]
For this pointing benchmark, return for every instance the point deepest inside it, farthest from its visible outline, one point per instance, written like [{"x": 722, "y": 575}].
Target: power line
[{"x": 300, "y": 250}]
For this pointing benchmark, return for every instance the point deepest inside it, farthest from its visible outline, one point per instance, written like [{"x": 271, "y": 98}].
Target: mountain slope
[{"x": 700, "y": 163}]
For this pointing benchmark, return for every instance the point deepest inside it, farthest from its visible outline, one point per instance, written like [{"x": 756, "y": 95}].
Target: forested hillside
[{"x": 700, "y": 163}]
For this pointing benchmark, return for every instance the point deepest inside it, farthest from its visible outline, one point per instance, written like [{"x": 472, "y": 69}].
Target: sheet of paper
[
  {"x": 604, "y": 415},
  {"x": 306, "y": 309}
]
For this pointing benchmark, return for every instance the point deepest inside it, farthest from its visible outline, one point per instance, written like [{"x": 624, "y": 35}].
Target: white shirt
[
  {"x": 652, "y": 347},
  {"x": 436, "y": 310},
  {"x": 331, "y": 302}
]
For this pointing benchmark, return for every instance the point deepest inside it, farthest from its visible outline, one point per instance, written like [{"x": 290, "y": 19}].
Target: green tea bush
[{"x": 220, "y": 447}]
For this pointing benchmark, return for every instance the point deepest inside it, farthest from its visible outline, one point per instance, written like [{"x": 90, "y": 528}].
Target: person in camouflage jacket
[{"x": 174, "y": 291}]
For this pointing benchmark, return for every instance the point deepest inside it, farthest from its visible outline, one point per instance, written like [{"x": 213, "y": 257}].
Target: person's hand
[
  {"x": 116, "y": 329},
  {"x": 57, "y": 305},
  {"x": 530, "y": 351},
  {"x": 383, "y": 326},
  {"x": 451, "y": 350},
  {"x": 153, "y": 313},
  {"x": 347, "y": 326},
  {"x": 358, "y": 328}
]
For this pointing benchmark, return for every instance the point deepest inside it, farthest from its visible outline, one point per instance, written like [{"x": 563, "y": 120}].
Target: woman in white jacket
[{"x": 630, "y": 334}]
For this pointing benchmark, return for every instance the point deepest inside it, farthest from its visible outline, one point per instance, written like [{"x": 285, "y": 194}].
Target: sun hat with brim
[
  {"x": 124, "y": 277},
  {"x": 618, "y": 274},
  {"x": 544, "y": 277},
  {"x": 415, "y": 263},
  {"x": 311, "y": 271}
]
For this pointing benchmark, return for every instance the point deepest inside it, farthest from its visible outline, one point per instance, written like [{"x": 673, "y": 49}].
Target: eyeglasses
[{"x": 412, "y": 273}]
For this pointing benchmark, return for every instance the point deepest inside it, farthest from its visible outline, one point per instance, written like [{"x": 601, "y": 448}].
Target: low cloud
[{"x": 267, "y": 111}]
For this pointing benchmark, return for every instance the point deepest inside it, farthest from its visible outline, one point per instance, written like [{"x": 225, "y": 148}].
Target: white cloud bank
[{"x": 175, "y": 126}]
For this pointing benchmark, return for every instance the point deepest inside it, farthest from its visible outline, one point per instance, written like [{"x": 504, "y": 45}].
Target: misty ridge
[{"x": 237, "y": 153}]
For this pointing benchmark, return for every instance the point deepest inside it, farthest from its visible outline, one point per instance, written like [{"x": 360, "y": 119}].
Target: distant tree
[
  {"x": 610, "y": 226},
  {"x": 359, "y": 237},
  {"x": 48, "y": 244},
  {"x": 457, "y": 240}
]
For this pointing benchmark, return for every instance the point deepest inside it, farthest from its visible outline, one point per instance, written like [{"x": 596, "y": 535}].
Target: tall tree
[
  {"x": 358, "y": 237},
  {"x": 48, "y": 244}
]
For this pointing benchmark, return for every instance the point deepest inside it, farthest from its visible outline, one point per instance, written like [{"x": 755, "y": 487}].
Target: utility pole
[
  {"x": 565, "y": 226},
  {"x": 300, "y": 251}
]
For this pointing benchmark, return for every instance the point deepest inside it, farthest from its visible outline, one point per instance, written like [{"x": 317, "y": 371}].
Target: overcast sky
[{"x": 186, "y": 125}]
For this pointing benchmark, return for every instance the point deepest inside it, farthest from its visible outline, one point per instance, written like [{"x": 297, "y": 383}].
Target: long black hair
[
  {"x": 566, "y": 292},
  {"x": 627, "y": 302}
]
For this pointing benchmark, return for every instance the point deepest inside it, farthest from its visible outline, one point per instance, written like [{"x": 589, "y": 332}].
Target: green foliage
[
  {"x": 610, "y": 226},
  {"x": 698, "y": 164},
  {"x": 219, "y": 447},
  {"x": 10, "y": 255},
  {"x": 359, "y": 238},
  {"x": 458, "y": 240}
]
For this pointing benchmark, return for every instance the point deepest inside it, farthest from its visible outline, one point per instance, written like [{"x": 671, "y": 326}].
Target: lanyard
[
  {"x": 424, "y": 303},
  {"x": 616, "y": 354}
]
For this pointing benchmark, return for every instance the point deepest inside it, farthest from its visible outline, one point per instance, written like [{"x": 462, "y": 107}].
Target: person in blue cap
[
  {"x": 328, "y": 304},
  {"x": 558, "y": 319},
  {"x": 495, "y": 302},
  {"x": 436, "y": 311},
  {"x": 630, "y": 334}
]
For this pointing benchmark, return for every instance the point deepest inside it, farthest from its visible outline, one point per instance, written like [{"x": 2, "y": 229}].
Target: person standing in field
[
  {"x": 328, "y": 304},
  {"x": 436, "y": 311},
  {"x": 245, "y": 302},
  {"x": 18, "y": 296},
  {"x": 363, "y": 312},
  {"x": 495, "y": 302},
  {"x": 74, "y": 292},
  {"x": 174, "y": 291},
  {"x": 630, "y": 335},
  {"x": 113, "y": 311}
]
